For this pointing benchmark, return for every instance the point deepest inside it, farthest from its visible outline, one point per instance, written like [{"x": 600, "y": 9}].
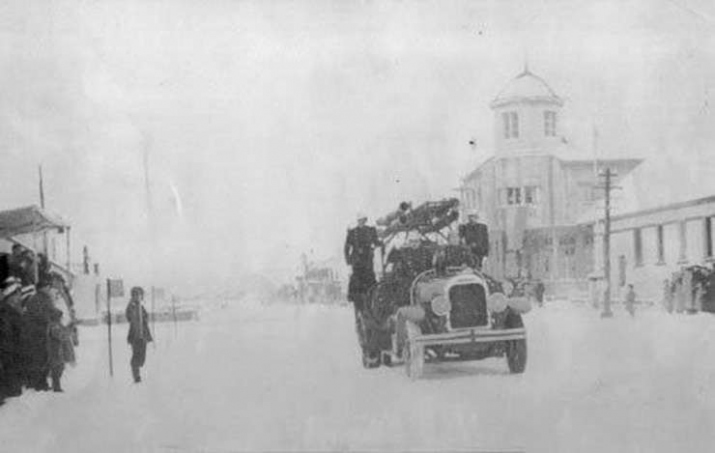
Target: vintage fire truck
[{"x": 429, "y": 305}]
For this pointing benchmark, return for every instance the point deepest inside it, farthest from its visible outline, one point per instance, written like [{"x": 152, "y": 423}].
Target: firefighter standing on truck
[
  {"x": 475, "y": 236},
  {"x": 359, "y": 251}
]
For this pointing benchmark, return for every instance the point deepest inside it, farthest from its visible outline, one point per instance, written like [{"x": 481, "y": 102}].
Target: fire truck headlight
[
  {"x": 440, "y": 306},
  {"x": 497, "y": 302}
]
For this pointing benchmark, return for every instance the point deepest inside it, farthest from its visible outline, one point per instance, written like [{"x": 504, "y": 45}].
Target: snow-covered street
[{"x": 285, "y": 377}]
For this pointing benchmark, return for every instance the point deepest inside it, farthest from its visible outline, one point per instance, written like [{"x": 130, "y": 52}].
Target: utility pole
[
  {"x": 607, "y": 174},
  {"x": 42, "y": 187},
  {"x": 42, "y": 205}
]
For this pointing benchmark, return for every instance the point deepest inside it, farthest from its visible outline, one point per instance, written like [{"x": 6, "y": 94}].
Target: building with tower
[{"x": 536, "y": 188}]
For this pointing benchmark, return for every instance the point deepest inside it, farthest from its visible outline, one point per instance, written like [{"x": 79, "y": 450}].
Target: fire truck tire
[{"x": 413, "y": 353}]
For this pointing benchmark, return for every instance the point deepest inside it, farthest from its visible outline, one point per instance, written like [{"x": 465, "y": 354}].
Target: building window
[
  {"x": 513, "y": 195},
  {"x": 550, "y": 123},
  {"x": 531, "y": 195},
  {"x": 511, "y": 124},
  {"x": 708, "y": 237},
  {"x": 518, "y": 196},
  {"x": 661, "y": 247},
  {"x": 638, "y": 247},
  {"x": 568, "y": 245}
]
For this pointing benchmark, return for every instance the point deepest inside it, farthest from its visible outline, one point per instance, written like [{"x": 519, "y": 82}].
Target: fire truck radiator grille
[{"x": 469, "y": 306}]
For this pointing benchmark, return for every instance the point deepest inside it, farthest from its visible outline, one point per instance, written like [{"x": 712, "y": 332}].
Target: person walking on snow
[
  {"x": 139, "y": 334},
  {"x": 539, "y": 291},
  {"x": 631, "y": 301}
]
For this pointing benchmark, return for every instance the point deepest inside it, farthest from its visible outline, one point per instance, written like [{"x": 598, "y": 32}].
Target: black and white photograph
[{"x": 478, "y": 226}]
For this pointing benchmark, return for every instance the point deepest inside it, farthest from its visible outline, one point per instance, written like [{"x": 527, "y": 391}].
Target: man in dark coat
[
  {"x": 12, "y": 371},
  {"x": 58, "y": 339},
  {"x": 139, "y": 334},
  {"x": 38, "y": 312},
  {"x": 359, "y": 254},
  {"x": 475, "y": 236}
]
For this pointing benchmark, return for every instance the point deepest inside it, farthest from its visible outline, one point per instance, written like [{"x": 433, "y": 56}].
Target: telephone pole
[
  {"x": 42, "y": 205},
  {"x": 607, "y": 175}
]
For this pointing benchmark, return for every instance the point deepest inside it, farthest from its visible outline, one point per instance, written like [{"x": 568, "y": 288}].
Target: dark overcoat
[
  {"x": 359, "y": 249},
  {"x": 138, "y": 323},
  {"x": 38, "y": 311},
  {"x": 476, "y": 236}
]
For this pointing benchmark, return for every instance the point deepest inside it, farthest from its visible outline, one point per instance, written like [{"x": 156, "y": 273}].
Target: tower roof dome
[{"x": 526, "y": 87}]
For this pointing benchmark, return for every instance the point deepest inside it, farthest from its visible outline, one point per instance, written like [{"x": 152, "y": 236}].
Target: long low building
[{"x": 648, "y": 246}]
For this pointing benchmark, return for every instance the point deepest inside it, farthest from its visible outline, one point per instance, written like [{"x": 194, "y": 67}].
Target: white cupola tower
[{"x": 526, "y": 116}]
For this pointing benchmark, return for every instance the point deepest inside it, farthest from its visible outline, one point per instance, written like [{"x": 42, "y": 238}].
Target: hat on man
[
  {"x": 361, "y": 215},
  {"x": 10, "y": 280},
  {"x": 27, "y": 291}
]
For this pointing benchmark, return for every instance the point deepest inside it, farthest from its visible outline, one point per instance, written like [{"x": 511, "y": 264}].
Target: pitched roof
[
  {"x": 526, "y": 86},
  {"x": 26, "y": 220}
]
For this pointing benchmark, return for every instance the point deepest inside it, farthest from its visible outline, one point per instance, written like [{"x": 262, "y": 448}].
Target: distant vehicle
[
  {"x": 319, "y": 285},
  {"x": 429, "y": 306}
]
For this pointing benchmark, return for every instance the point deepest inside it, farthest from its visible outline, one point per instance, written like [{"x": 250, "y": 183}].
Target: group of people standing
[
  {"x": 25, "y": 265},
  {"x": 689, "y": 290},
  {"x": 34, "y": 344}
]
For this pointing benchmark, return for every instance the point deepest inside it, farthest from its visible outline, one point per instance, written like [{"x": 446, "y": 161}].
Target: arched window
[{"x": 511, "y": 124}]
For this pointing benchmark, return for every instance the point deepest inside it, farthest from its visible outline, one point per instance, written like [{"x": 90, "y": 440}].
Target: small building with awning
[
  {"x": 30, "y": 226},
  {"x": 42, "y": 232}
]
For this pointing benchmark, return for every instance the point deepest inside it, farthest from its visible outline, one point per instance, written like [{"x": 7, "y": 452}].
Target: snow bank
[{"x": 250, "y": 377}]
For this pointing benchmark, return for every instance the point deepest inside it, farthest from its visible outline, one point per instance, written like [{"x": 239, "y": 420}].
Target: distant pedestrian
[
  {"x": 139, "y": 334},
  {"x": 631, "y": 300},
  {"x": 668, "y": 296},
  {"x": 539, "y": 290}
]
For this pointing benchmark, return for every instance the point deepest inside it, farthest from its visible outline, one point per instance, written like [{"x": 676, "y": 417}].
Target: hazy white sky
[{"x": 276, "y": 121}]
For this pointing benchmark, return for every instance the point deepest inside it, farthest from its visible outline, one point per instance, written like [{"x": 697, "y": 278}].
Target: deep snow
[{"x": 282, "y": 377}]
